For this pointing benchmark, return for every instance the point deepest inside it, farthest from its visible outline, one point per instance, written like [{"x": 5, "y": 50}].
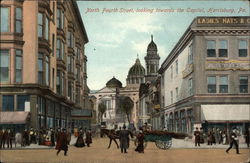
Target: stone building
[
  {"x": 113, "y": 90},
  {"x": 42, "y": 63},
  {"x": 205, "y": 78}
]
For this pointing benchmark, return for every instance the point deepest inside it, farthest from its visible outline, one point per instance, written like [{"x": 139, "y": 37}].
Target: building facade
[
  {"x": 43, "y": 64},
  {"x": 205, "y": 78}
]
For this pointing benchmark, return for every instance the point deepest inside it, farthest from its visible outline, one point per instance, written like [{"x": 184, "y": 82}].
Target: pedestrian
[
  {"x": 88, "y": 137},
  {"x": 4, "y": 132},
  {"x": 224, "y": 137},
  {"x": 247, "y": 136},
  {"x": 1, "y": 138},
  {"x": 209, "y": 137},
  {"x": 69, "y": 135},
  {"x": 124, "y": 139},
  {"x": 202, "y": 136},
  {"x": 220, "y": 137},
  {"x": 197, "y": 137},
  {"x": 52, "y": 137},
  {"x": 32, "y": 136},
  {"x": 79, "y": 140},
  {"x": 9, "y": 138},
  {"x": 233, "y": 141},
  {"x": 62, "y": 142},
  {"x": 216, "y": 136},
  {"x": 140, "y": 140}
]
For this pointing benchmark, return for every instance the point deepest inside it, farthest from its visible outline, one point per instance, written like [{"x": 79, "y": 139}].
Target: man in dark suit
[
  {"x": 233, "y": 141},
  {"x": 9, "y": 138},
  {"x": 124, "y": 139},
  {"x": 197, "y": 137}
]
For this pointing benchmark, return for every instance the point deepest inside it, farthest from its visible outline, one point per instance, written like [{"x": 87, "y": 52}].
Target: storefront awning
[
  {"x": 225, "y": 112},
  {"x": 17, "y": 117}
]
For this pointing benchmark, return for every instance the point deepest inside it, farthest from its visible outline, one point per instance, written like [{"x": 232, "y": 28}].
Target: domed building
[
  {"x": 114, "y": 83},
  {"x": 136, "y": 73}
]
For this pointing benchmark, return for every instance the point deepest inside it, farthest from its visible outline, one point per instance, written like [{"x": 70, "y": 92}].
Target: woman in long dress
[{"x": 80, "y": 141}]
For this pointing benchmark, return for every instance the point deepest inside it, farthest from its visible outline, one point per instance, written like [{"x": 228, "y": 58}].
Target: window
[
  {"x": 58, "y": 82},
  {"x": 223, "y": 84},
  {"x": 21, "y": 99},
  {"x": 177, "y": 93},
  {"x": 4, "y": 65},
  {"x": 40, "y": 68},
  {"x": 62, "y": 83},
  {"x": 60, "y": 49},
  {"x": 211, "y": 52},
  {"x": 171, "y": 73},
  {"x": 190, "y": 54},
  {"x": 47, "y": 71},
  {"x": 18, "y": 21},
  {"x": 242, "y": 48},
  {"x": 60, "y": 19},
  {"x": 40, "y": 24},
  {"x": 70, "y": 90},
  {"x": 5, "y": 19},
  {"x": 70, "y": 38},
  {"x": 46, "y": 28},
  {"x": 8, "y": 103},
  {"x": 176, "y": 66},
  {"x": 190, "y": 86},
  {"x": 243, "y": 84},
  {"x": 53, "y": 77},
  {"x": 223, "y": 48},
  {"x": 211, "y": 84},
  {"x": 171, "y": 95},
  {"x": 19, "y": 63},
  {"x": 69, "y": 62}
]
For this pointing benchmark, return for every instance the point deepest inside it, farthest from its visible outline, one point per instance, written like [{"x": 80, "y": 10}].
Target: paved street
[{"x": 99, "y": 153}]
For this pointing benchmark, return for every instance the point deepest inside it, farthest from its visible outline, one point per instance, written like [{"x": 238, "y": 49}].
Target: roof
[
  {"x": 137, "y": 69},
  {"x": 16, "y": 117},
  {"x": 152, "y": 46},
  {"x": 114, "y": 83}
]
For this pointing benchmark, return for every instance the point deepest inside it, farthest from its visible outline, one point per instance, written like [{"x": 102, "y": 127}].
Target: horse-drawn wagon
[{"x": 162, "y": 139}]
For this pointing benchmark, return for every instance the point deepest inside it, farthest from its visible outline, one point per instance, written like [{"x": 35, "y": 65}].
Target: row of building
[
  {"x": 203, "y": 82},
  {"x": 43, "y": 74}
]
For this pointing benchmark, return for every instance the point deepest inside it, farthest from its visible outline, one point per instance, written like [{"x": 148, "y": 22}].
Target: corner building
[
  {"x": 42, "y": 63},
  {"x": 206, "y": 76}
]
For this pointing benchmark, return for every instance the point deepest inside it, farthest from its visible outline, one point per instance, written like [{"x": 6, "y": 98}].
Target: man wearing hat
[
  {"x": 124, "y": 139},
  {"x": 233, "y": 141}
]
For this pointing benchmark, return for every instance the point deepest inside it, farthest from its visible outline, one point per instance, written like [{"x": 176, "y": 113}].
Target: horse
[{"x": 112, "y": 134}]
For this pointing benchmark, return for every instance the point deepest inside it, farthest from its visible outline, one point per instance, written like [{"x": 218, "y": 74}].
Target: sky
[{"x": 119, "y": 30}]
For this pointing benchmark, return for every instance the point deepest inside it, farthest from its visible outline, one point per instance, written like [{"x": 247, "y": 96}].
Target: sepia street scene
[{"x": 125, "y": 81}]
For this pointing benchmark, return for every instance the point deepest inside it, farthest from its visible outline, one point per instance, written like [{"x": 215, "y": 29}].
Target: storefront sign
[{"x": 228, "y": 65}]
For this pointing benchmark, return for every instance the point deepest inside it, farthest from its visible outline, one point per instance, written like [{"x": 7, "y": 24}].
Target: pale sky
[{"x": 115, "y": 38}]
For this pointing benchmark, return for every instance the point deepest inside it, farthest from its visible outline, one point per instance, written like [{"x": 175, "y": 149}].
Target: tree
[
  {"x": 102, "y": 109},
  {"x": 126, "y": 105}
]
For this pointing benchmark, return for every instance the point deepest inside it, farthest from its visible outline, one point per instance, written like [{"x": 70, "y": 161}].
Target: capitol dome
[
  {"x": 137, "y": 69},
  {"x": 114, "y": 83}
]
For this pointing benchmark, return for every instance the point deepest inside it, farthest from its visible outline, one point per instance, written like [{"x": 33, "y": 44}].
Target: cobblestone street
[{"x": 98, "y": 153}]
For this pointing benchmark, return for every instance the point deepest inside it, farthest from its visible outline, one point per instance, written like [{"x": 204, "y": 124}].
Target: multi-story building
[
  {"x": 42, "y": 63},
  {"x": 205, "y": 78}
]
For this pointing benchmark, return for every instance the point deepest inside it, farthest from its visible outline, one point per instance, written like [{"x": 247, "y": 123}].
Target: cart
[{"x": 162, "y": 139}]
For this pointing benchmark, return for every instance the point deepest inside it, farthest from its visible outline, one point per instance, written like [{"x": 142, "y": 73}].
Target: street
[{"x": 98, "y": 153}]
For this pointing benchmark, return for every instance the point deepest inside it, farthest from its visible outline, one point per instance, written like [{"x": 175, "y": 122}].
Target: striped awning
[{"x": 17, "y": 117}]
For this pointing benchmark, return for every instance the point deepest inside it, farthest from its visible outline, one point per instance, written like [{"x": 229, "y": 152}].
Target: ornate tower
[{"x": 152, "y": 61}]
